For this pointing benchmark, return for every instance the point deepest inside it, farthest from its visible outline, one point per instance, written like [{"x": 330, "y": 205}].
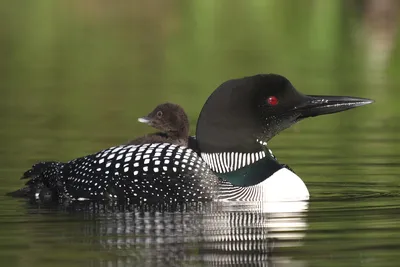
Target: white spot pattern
[{"x": 156, "y": 172}]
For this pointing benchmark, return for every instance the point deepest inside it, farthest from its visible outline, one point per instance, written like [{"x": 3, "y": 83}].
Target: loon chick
[
  {"x": 171, "y": 120},
  {"x": 233, "y": 126}
]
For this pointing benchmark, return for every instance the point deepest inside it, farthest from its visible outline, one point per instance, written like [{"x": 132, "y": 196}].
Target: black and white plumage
[
  {"x": 267, "y": 179},
  {"x": 149, "y": 173},
  {"x": 146, "y": 173}
]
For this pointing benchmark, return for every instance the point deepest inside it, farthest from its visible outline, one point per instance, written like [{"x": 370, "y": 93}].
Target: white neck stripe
[{"x": 231, "y": 161}]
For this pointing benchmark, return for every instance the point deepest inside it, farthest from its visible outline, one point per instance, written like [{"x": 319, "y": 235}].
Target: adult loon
[
  {"x": 172, "y": 122},
  {"x": 233, "y": 126}
]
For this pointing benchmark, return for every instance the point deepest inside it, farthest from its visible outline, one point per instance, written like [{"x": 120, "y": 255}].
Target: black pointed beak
[{"x": 320, "y": 105}]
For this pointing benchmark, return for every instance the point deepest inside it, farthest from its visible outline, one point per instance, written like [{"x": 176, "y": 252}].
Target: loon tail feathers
[{"x": 44, "y": 177}]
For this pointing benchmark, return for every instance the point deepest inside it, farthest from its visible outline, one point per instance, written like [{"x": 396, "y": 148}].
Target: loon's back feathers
[{"x": 141, "y": 173}]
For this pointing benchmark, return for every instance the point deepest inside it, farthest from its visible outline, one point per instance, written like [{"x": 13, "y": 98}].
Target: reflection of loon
[
  {"x": 237, "y": 116},
  {"x": 243, "y": 233},
  {"x": 212, "y": 234}
]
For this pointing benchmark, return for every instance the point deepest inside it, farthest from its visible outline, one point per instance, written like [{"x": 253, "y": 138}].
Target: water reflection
[
  {"x": 206, "y": 234},
  {"x": 248, "y": 233}
]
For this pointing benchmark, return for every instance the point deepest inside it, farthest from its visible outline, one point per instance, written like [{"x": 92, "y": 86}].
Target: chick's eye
[
  {"x": 159, "y": 114},
  {"x": 272, "y": 101}
]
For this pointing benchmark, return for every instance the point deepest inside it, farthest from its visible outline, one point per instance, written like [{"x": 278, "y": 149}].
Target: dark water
[{"x": 76, "y": 75}]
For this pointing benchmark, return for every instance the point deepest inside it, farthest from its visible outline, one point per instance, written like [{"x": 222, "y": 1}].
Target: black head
[
  {"x": 168, "y": 118},
  {"x": 241, "y": 111}
]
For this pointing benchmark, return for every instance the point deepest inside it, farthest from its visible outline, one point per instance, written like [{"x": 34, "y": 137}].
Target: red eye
[{"x": 272, "y": 100}]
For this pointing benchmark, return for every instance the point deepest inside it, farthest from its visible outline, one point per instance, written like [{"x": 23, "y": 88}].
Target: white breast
[{"x": 282, "y": 186}]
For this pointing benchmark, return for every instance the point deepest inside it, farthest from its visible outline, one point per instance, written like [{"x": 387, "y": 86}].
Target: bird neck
[{"x": 243, "y": 169}]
